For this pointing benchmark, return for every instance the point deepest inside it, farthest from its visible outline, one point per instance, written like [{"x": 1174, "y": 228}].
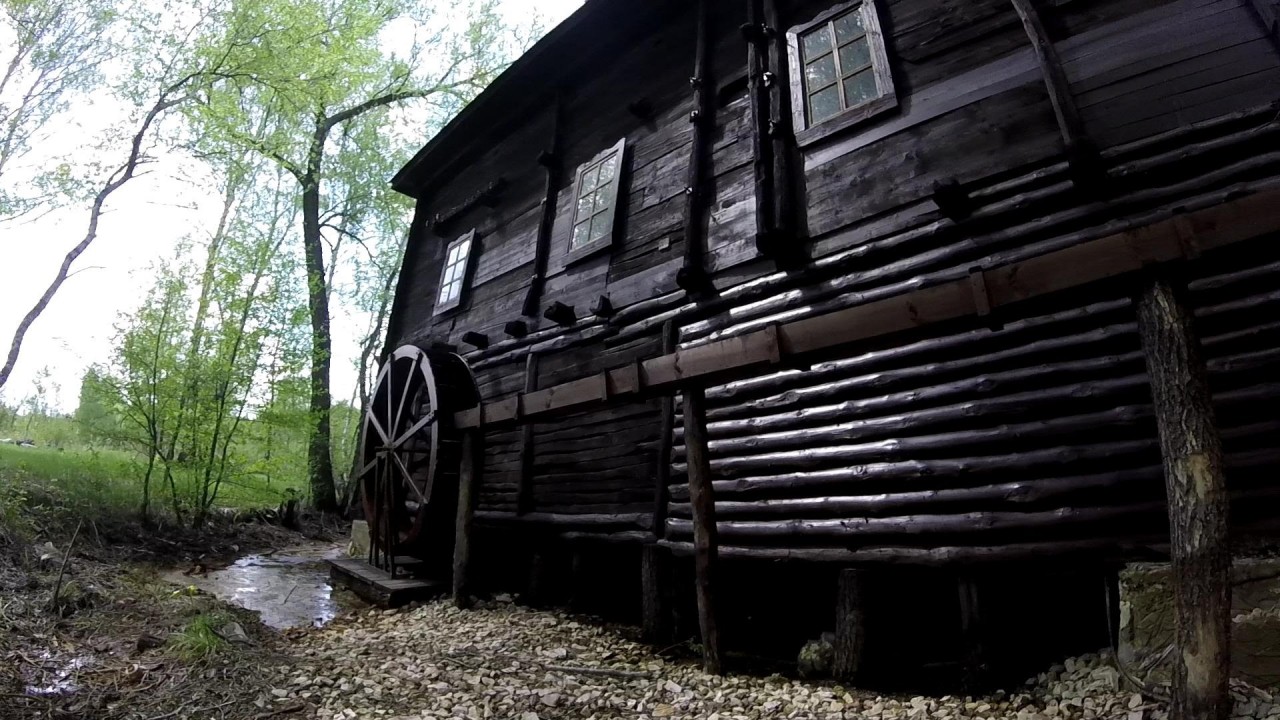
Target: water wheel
[{"x": 410, "y": 456}]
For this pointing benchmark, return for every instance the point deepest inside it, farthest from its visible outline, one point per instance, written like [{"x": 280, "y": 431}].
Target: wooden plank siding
[{"x": 955, "y": 435}]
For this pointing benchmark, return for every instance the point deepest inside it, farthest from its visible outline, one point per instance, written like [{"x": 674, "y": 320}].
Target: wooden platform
[{"x": 378, "y": 587}]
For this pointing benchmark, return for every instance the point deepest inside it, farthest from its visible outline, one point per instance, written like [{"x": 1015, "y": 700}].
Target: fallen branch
[{"x": 66, "y": 557}]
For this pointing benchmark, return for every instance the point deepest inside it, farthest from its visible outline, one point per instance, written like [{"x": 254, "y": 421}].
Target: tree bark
[
  {"x": 851, "y": 624},
  {"x": 319, "y": 462},
  {"x": 704, "y": 524},
  {"x": 1193, "y": 466}
]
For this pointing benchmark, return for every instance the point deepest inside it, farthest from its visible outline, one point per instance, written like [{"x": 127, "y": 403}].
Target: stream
[{"x": 287, "y": 588}]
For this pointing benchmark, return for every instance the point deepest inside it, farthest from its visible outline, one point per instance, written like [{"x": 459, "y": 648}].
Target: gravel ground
[{"x": 504, "y": 661}]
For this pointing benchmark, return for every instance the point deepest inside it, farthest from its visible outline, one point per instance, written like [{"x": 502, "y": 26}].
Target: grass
[
  {"x": 100, "y": 483},
  {"x": 199, "y": 639}
]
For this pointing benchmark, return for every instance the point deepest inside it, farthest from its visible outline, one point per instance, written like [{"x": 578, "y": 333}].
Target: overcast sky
[{"x": 144, "y": 221}]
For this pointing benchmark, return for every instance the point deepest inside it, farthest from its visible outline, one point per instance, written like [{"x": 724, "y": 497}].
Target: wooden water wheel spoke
[
  {"x": 425, "y": 421},
  {"x": 408, "y": 478},
  {"x": 377, "y": 426},
  {"x": 409, "y": 453}
]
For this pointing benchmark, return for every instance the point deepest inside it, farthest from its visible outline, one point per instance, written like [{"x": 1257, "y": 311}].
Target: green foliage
[{"x": 199, "y": 639}]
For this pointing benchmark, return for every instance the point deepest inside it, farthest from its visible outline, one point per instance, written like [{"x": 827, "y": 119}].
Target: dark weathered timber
[
  {"x": 379, "y": 587},
  {"x": 1130, "y": 545},
  {"x": 551, "y": 164},
  {"x": 524, "y": 497},
  {"x": 656, "y": 611},
  {"x": 917, "y": 529},
  {"x": 704, "y": 525},
  {"x": 1055, "y": 79},
  {"x": 851, "y": 624},
  {"x": 1108, "y": 257},
  {"x": 1198, "y": 506},
  {"x": 781, "y": 138},
  {"x": 759, "y": 36},
  {"x": 468, "y": 490},
  {"x": 692, "y": 276},
  {"x": 974, "y": 660},
  {"x": 666, "y": 438}
]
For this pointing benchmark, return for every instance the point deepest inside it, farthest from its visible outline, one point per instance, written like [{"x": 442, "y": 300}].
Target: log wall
[{"x": 954, "y": 440}]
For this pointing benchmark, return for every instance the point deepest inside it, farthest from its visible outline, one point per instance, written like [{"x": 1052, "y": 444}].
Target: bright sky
[{"x": 144, "y": 221}]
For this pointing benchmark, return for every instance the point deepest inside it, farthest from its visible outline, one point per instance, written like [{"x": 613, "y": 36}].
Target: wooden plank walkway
[{"x": 378, "y": 587}]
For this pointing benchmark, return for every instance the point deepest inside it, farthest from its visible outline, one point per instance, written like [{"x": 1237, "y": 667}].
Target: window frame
[
  {"x": 886, "y": 99},
  {"x": 467, "y": 262},
  {"x": 604, "y": 242}
]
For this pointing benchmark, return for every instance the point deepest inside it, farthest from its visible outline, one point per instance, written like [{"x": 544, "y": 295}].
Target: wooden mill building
[{"x": 868, "y": 269}]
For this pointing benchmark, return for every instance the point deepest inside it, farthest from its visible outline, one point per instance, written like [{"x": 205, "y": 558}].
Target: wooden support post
[
  {"x": 704, "y": 523},
  {"x": 1195, "y": 485},
  {"x": 974, "y": 661},
  {"x": 851, "y": 624},
  {"x": 662, "y": 473},
  {"x": 524, "y": 492},
  {"x": 468, "y": 486},
  {"x": 656, "y": 613}
]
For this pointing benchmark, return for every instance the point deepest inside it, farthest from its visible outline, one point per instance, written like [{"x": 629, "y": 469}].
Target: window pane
[
  {"x": 848, "y": 26},
  {"x": 820, "y": 73},
  {"x": 581, "y": 234},
  {"x": 823, "y": 104},
  {"x": 860, "y": 88},
  {"x": 589, "y": 179},
  {"x": 604, "y": 197},
  {"x": 607, "y": 168},
  {"x": 816, "y": 43},
  {"x": 585, "y": 204},
  {"x": 464, "y": 249},
  {"x": 453, "y": 255},
  {"x": 854, "y": 57},
  {"x": 602, "y": 224}
]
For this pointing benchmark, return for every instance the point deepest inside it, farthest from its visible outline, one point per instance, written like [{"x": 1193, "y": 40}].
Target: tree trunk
[
  {"x": 319, "y": 461},
  {"x": 1196, "y": 488},
  {"x": 851, "y": 624}
]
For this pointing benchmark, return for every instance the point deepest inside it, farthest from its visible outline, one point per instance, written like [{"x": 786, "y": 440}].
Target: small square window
[
  {"x": 840, "y": 71},
  {"x": 453, "y": 276},
  {"x": 595, "y": 202}
]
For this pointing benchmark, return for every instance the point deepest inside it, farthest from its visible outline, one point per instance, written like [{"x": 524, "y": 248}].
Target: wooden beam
[
  {"x": 468, "y": 488},
  {"x": 1196, "y": 487},
  {"x": 780, "y": 131},
  {"x": 704, "y": 525},
  {"x": 692, "y": 276},
  {"x": 524, "y": 492},
  {"x": 550, "y": 161},
  {"x": 1055, "y": 78},
  {"x": 1123, "y": 253}
]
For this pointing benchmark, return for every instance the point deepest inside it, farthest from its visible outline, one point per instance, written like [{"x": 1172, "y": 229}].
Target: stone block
[
  {"x": 359, "y": 545},
  {"x": 1146, "y": 616}
]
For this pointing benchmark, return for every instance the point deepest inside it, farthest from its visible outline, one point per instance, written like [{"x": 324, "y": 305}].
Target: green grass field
[{"x": 101, "y": 483}]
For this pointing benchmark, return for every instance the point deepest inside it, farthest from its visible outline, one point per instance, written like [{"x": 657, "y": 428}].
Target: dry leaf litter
[{"x": 503, "y": 661}]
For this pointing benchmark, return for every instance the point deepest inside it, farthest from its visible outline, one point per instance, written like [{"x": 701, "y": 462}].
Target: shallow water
[{"x": 287, "y": 588}]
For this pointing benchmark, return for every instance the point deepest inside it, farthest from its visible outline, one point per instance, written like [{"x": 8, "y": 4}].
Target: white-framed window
[
  {"x": 453, "y": 276},
  {"x": 595, "y": 206},
  {"x": 839, "y": 70}
]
